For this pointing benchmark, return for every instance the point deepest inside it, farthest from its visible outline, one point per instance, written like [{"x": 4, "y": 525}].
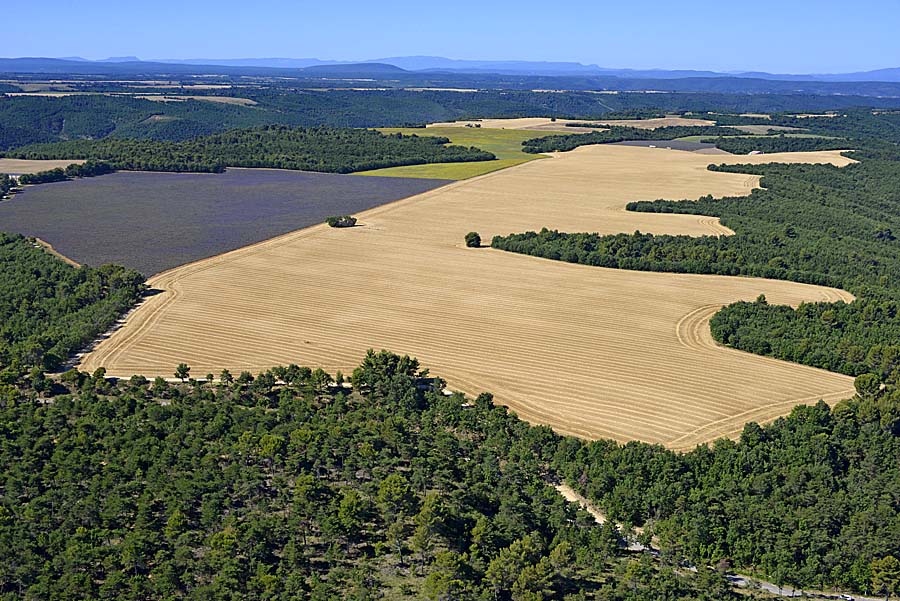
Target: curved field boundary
[{"x": 592, "y": 352}]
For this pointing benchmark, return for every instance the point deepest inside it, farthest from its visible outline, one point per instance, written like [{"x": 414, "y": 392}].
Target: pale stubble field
[{"x": 589, "y": 351}]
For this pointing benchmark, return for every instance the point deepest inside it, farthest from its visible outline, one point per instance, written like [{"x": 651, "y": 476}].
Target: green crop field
[{"x": 506, "y": 144}]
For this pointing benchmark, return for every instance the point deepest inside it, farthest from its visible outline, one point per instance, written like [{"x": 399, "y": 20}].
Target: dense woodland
[
  {"x": 617, "y": 133},
  {"x": 779, "y": 143},
  {"x": 311, "y": 149},
  {"x": 275, "y": 486},
  {"x": 810, "y": 500},
  {"x": 34, "y": 119},
  {"x": 6, "y": 184},
  {"x": 48, "y": 310}
]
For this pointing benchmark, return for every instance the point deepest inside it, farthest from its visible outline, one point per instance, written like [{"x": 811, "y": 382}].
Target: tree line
[
  {"x": 779, "y": 143},
  {"x": 89, "y": 168},
  {"x": 618, "y": 133},
  {"x": 48, "y": 309},
  {"x": 6, "y": 184},
  {"x": 311, "y": 149}
]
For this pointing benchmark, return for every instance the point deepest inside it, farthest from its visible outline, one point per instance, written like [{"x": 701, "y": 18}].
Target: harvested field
[
  {"x": 22, "y": 166},
  {"x": 592, "y": 352},
  {"x": 156, "y": 221}
]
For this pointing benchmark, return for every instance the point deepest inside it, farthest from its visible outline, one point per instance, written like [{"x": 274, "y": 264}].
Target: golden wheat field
[
  {"x": 592, "y": 352},
  {"x": 22, "y": 166}
]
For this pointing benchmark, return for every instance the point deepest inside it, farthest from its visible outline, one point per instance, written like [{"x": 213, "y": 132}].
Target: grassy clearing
[{"x": 506, "y": 144}]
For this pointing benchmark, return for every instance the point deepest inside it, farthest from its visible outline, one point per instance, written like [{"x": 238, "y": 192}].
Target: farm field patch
[
  {"x": 593, "y": 352},
  {"x": 155, "y": 221},
  {"x": 506, "y": 144},
  {"x": 21, "y": 166}
]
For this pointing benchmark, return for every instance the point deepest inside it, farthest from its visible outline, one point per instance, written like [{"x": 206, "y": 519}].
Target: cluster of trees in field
[
  {"x": 341, "y": 221},
  {"x": 333, "y": 150},
  {"x": 6, "y": 184},
  {"x": 44, "y": 177},
  {"x": 617, "y": 133},
  {"x": 87, "y": 169},
  {"x": 49, "y": 309},
  {"x": 856, "y": 339},
  {"x": 780, "y": 143},
  {"x": 648, "y": 252}
]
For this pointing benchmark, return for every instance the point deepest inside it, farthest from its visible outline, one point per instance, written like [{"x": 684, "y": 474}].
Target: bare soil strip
[
  {"x": 592, "y": 352},
  {"x": 49, "y": 248}
]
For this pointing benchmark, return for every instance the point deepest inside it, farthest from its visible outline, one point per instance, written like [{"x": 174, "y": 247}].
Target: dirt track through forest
[{"x": 592, "y": 352}]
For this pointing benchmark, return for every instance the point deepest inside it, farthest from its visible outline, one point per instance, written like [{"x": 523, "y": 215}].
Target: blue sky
[{"x": 786, "y": 36}]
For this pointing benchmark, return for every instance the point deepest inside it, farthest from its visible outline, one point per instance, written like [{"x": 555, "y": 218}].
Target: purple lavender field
[{"x": 155, "y": 221}]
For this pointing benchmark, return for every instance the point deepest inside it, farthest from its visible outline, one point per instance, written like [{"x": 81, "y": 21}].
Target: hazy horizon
[
  {"x": 776, "y": 37},
  {"x": 163, "y": 59}
]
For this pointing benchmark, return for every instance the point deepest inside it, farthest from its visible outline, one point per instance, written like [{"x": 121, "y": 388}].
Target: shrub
[
  {"x": 473, "y": 240},
  {"x": 341, "y": 221}
]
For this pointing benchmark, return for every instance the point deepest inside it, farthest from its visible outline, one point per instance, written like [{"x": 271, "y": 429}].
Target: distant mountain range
[
  {"x": 437, "y": 72},
  {"x": 549, "y": 68},
  {"x": 437, "y": 64}
]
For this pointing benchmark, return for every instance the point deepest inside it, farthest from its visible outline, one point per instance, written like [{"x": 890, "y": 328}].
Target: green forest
[
  {"x": 49, "y": 310},
  {"x": 617, "y": 133},
  {"x": 780, "y": 143},
  {"x": 28, "y": 120},
  {"x": 311, "y": 149},
  {"x": 87, "y": 169},
  {"x": 6, "y": 184}
]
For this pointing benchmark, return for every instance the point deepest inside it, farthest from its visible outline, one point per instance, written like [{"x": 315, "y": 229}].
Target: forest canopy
[
  {"x": 49, "y": 310},
  {"x": 310, "y": 149}
]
